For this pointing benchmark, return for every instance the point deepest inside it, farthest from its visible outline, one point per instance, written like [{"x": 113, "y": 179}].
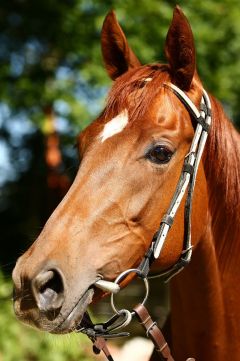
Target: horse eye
[{"x": 159, "y": 154}]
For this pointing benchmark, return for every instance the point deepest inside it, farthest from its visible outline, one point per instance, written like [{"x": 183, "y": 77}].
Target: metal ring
[
  {"x": 128, "y": 318},
  {"x": 121, "y": 277}
]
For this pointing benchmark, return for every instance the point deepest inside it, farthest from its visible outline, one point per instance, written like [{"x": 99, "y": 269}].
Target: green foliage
[
  {"x": 21, "y": 343},
  {"x": 51, "y": 49}
]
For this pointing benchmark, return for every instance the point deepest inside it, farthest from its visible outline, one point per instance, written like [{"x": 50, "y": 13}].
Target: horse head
[{"x": 131, "y": 159}]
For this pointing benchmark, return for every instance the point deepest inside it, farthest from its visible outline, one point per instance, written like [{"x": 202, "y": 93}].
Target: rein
[{"x": 99, "y": 333}]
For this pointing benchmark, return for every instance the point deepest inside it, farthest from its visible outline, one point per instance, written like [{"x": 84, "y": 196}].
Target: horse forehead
[
  {"x": 115, "y": 125},
  {"x": 159, "y": 112}
]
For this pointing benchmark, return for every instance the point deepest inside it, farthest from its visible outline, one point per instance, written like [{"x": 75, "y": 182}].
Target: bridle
[
  {"x": 187, "y": 180},
  {"x": 100, "y": 332}
]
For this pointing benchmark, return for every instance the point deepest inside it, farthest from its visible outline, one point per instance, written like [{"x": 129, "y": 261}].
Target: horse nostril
[{"x": 48, "y": 290}]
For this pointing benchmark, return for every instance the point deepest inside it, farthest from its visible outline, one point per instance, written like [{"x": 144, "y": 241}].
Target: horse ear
[
  {"x": 117, "y": 54},
  {"x": 180, "y": 50}
]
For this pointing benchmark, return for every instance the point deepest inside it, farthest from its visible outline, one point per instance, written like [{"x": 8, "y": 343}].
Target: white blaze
[
  {"x": 147, "y": 79},
  {"x": 114, "y": 126}
]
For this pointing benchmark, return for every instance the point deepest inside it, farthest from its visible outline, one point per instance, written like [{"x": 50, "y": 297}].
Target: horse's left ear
[
  {"x": 117, "y": 54},
  {"x": 180, "y": 50}
]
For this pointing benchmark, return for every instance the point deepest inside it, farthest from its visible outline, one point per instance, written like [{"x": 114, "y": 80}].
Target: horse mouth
[{"x": 74, "y": 318}]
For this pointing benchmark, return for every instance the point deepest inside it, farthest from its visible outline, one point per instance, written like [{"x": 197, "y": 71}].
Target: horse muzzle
[{"x": 47, "y": 302}]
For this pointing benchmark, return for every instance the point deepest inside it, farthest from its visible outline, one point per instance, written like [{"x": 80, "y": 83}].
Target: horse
[{"x": 131, "y": 160}]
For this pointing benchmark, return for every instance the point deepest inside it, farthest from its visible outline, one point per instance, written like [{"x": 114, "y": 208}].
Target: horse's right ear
[{"x": 117, "y": 55}]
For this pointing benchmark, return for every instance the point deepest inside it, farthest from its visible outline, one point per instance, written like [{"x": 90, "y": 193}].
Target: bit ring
[{"x": 121, "y": 277}]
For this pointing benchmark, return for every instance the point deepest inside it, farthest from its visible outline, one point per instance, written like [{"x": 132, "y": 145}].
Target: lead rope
[{"x": 99, "y": 333}]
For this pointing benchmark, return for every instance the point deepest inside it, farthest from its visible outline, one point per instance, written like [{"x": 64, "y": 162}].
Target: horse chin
[{"x": 74, "y": 318}]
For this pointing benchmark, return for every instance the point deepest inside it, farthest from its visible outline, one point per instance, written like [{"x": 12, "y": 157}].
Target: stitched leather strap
[{"x": 153, "y": 332}]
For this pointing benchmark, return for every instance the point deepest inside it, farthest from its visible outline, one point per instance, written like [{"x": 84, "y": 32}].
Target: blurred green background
[{"x": 52, "y": 84}]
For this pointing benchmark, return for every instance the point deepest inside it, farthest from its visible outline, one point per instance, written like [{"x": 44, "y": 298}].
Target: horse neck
[
  {"x": 222, "y": 167},
  {"x": 197, "y": 307},
  {"x": 205, "y": 307}
]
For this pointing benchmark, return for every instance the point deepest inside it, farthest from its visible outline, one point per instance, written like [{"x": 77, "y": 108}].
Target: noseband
[{"x": 100, "y": 332}]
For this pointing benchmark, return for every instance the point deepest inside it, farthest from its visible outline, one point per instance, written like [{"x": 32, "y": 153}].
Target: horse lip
[{"x": 73, "y": 319}]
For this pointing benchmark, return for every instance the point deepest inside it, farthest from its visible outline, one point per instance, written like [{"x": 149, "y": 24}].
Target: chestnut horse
[{"x": 131, "y": 159}]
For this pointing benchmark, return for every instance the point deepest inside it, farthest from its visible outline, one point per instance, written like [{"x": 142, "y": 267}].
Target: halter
[{"x": 100, "y": 332}]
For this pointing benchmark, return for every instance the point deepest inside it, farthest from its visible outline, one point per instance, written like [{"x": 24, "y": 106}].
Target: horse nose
[{"x": 48, "y": 290}]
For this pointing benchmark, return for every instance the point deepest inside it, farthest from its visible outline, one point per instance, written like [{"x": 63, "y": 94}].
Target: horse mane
[
  {"x": 136, "y": 82},
  {"x": 222, "y": 167}
]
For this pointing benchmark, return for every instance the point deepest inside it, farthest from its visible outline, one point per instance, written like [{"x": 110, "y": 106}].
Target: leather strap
[
  {"x": 186, "y": 181},
  {"x": 153, "y": 332},
  {"x": 99, "y": 345}
]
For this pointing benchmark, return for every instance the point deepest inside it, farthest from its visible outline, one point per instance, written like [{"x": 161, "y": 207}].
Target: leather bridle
[
  {"x": 187, "y": 180},
  {"x": 100, "y": 332}
]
